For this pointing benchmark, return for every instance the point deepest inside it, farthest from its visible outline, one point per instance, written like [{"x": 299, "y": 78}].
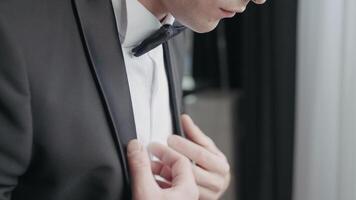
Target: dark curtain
[
  {"x": 205, "y": 60},
  {"x": 267, "y": 109},
  {"x": 261, "y": 46}
]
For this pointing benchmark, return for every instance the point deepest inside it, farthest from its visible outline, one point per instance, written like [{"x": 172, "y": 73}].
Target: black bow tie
[{"x": 165, "y": 33}]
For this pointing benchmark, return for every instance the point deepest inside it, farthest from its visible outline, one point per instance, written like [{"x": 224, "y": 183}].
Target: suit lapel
[
  {"x": 101, "y": 41},
  {"x": 102, "y": 45}
]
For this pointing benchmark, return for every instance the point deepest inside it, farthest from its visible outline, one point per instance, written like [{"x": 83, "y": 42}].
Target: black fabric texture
[{"x": 65, "y": 108}]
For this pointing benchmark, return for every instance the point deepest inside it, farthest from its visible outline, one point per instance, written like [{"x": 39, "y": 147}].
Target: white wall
[
  {"x": 326, "y": 101},
  {"x": 347, "y": 170}
]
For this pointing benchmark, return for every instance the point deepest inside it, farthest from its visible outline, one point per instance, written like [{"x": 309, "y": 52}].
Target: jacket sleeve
[{"x": 15, "y": 115}]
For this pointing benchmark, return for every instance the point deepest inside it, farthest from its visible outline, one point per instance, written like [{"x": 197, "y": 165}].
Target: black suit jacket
[{"x": 65, "y": 108}]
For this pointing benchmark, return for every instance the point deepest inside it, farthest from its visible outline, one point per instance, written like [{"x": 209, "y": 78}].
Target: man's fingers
[
  {"x": 162, "y": 170},
  {"x": 206, "y": 194},
  {"x": 180, "y": 166},
  {"x": 164, "y": 184},
  {"x": 199, "y": 155},
  {"x": 193, "y": 133},
  {"x": 140, "y": 166},
  {"x": 208, "y": 180}
]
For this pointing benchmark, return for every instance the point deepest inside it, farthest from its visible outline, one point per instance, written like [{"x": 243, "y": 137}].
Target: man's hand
[
  {"x": 212, "y": 170},
  {"x": 175, "y": 167}
]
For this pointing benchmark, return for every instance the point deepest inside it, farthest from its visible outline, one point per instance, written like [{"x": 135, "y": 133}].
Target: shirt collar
[{"x": 135, "y": 22}]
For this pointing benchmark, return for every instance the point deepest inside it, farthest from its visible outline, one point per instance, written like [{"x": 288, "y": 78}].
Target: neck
[{"x": 155, "y": 7}]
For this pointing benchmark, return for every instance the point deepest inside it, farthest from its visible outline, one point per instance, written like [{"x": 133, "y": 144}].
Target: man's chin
[{"x": 204, "y": 27}]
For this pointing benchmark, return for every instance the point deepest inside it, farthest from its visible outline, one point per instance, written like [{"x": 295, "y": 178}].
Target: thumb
[{"x": 140, "y": 166}]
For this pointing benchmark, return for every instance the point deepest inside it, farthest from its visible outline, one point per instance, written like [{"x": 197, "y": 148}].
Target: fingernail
[
  {"x": 189, "y": 118},
  {"x": 133, "y": 146}
]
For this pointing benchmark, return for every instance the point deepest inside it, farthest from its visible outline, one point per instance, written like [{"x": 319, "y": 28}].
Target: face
[{"x": 204, "y": 15}]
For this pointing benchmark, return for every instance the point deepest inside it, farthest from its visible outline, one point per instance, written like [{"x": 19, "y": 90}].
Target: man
[{"x": 73, "y": 96}]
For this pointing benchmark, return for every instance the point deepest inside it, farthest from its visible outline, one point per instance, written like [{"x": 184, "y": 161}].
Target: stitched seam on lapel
[{"x": 90, "y": 59}]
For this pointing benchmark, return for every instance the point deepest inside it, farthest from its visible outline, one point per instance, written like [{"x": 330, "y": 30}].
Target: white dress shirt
[{"x": 146, "y": 74}]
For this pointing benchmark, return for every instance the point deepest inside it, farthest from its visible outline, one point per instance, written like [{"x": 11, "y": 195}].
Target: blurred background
[{"x": 275, "y": 87}]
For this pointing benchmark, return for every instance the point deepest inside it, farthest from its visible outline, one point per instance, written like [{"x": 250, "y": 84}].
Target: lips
[{"x": 227, "y": 13}]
